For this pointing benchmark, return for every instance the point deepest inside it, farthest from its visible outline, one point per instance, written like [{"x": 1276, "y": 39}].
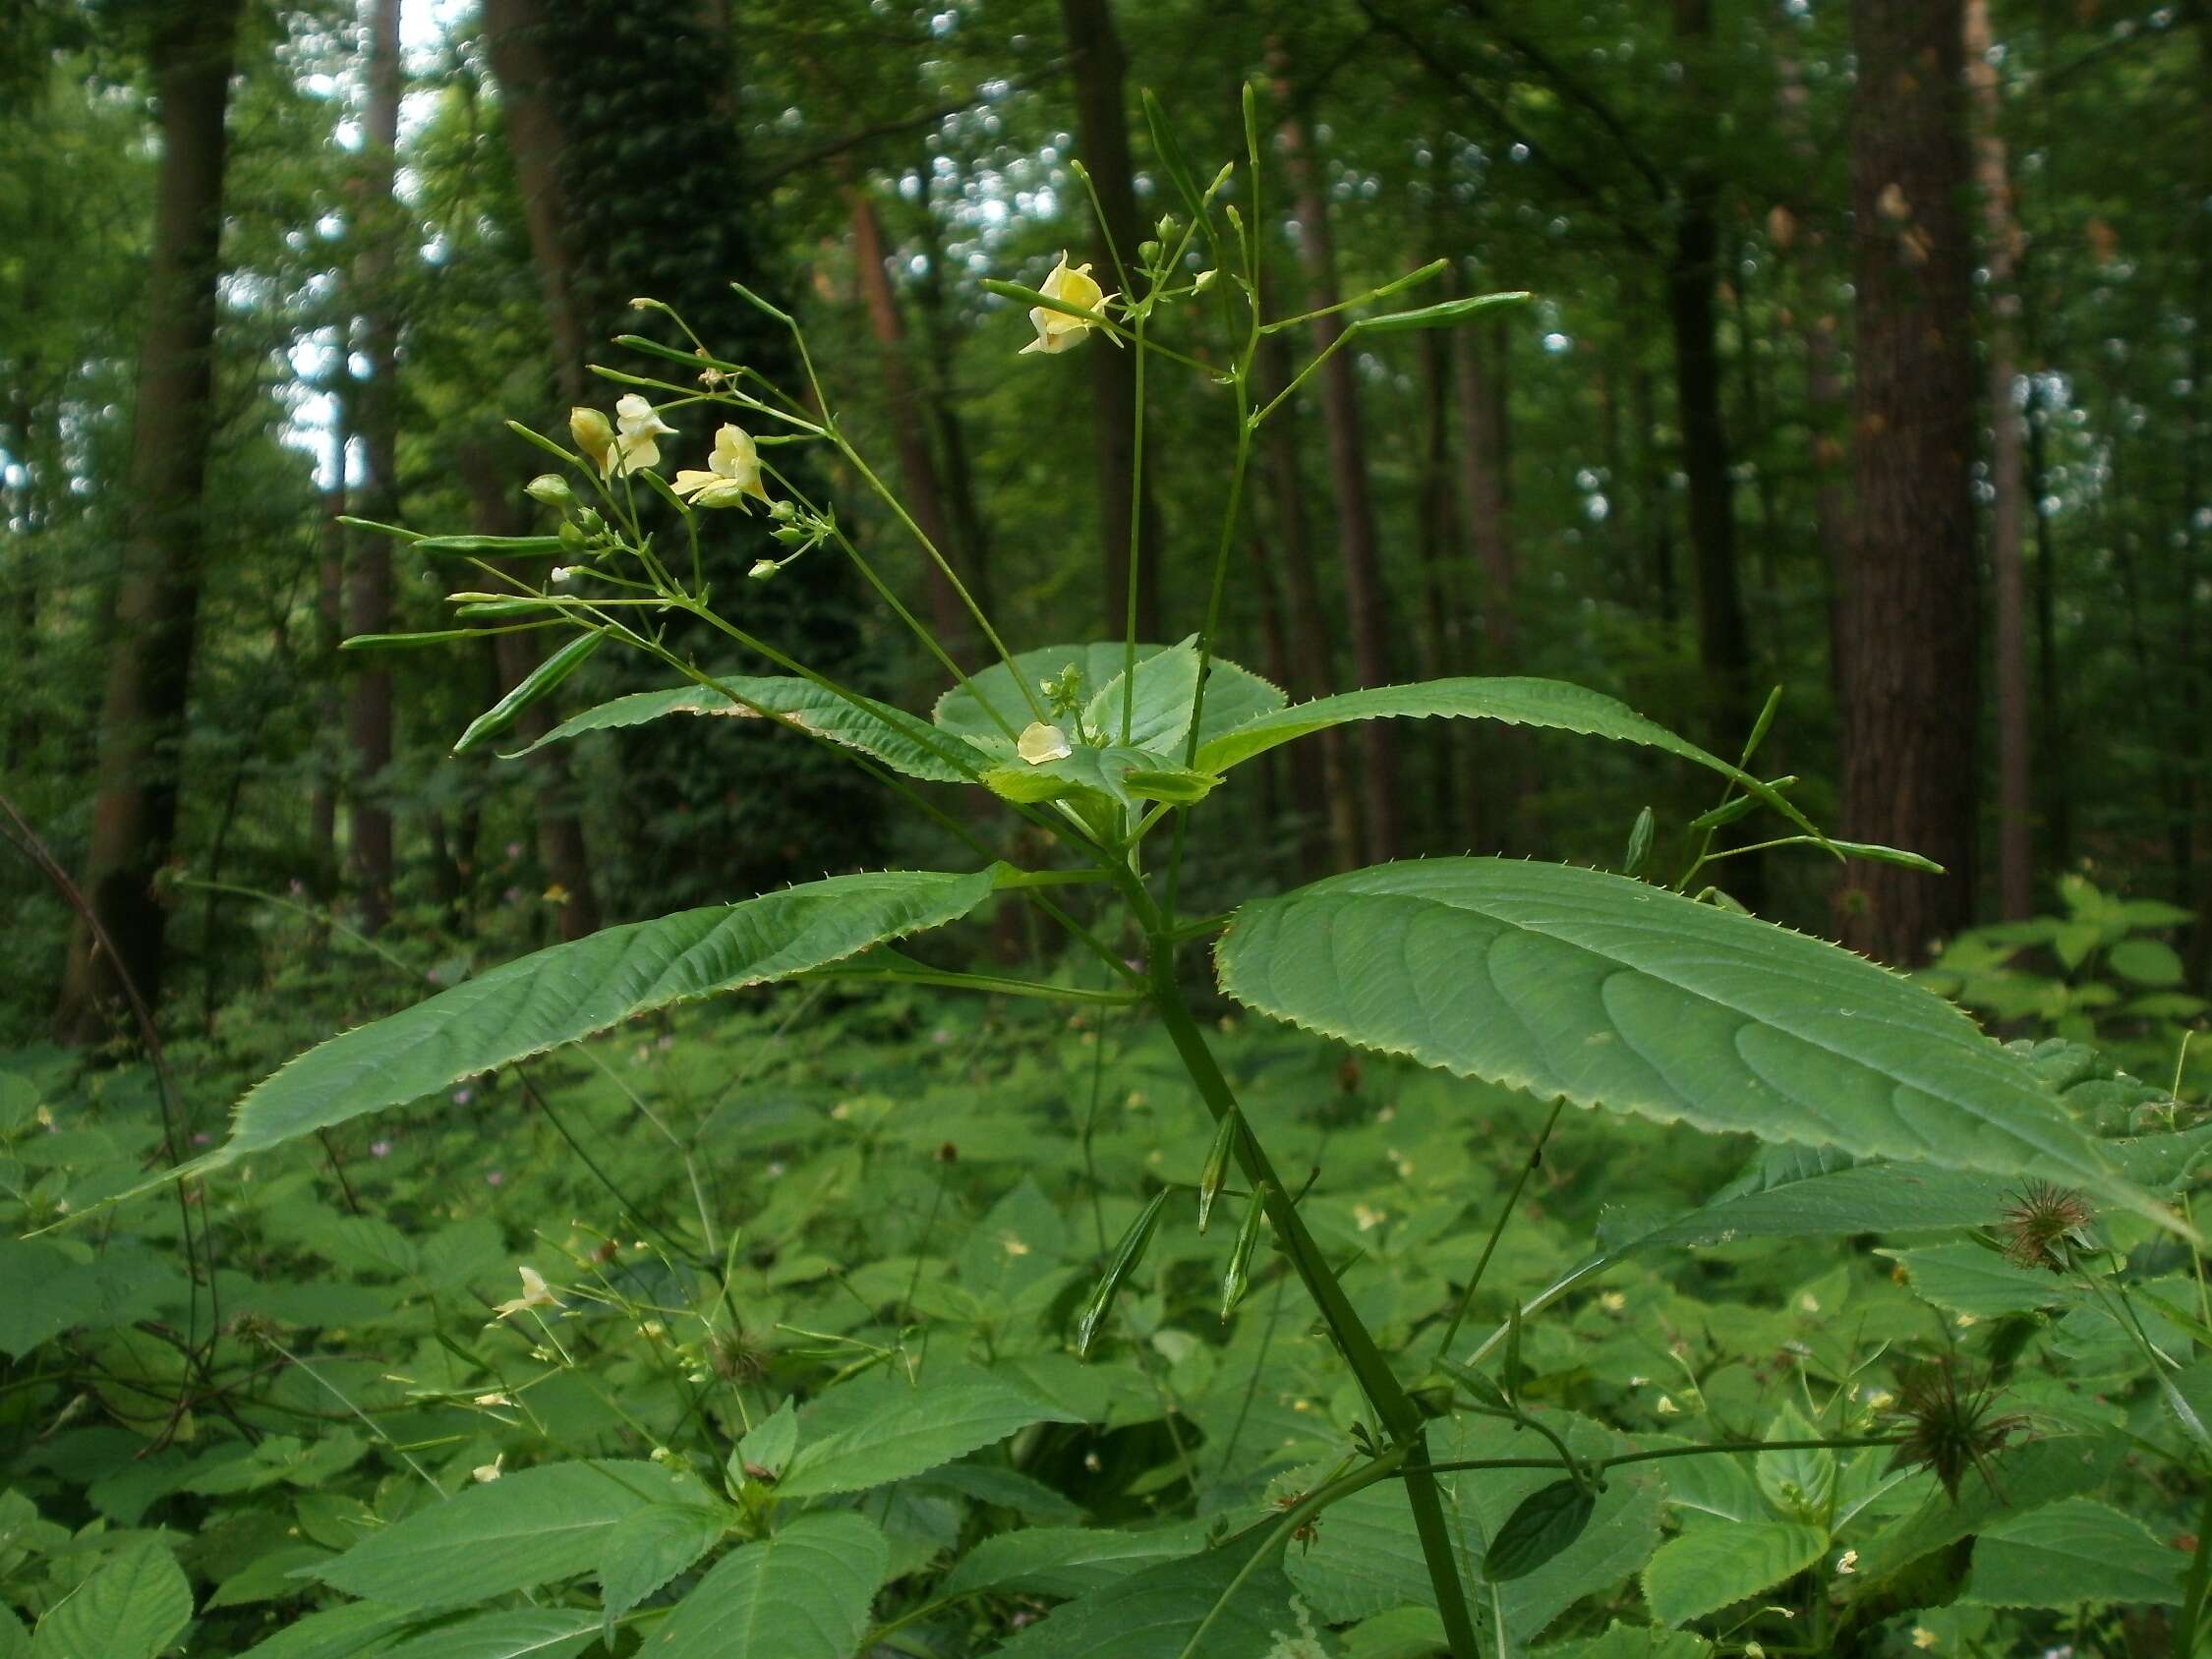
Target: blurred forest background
[{"x": 1868, "y": 359}]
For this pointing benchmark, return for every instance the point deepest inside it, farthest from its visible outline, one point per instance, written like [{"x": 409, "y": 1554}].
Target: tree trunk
[
  {"x": 917, "y": 468},
  {"x": 1911, "y": 613},
  {"x": 1366, "y": 602},
  {"x": 562, "y": 849},
  {"x": 377, "y": 222},
  {"x": 970, "y": 534},
  {"x": 329, "y": 630},
  {"x": 534, "y": 141},
  {"x": 1693, "y": 274},
  {"x": 2000, "y": 246},
  {"x": 1497, "y": 781},
  {"x": 1102, "y": 125},
  {"x": 157, "y": 599},
  {"x": 1438, "y": 541},
  {"x": 1321, "y": 777}
]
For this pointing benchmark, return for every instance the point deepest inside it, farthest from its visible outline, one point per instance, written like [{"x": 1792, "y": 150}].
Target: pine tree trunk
[
  {"x": 1366, "y": 602},
  {"x": 1438, "y": 541},
  {"x": 1102, "y": 126},
  {"x": 157, "y": 599},
  {"x": 329, "y": 630},
  {"x": 1912, "y": 619},
  {"x": 369, "y": 715},
  {"x": 2001, "y": 246},
  {"x": 534, "y": 141},
  {"x": 969, "y": 533}
]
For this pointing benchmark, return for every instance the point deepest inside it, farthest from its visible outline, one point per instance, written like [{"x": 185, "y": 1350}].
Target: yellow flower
[
  {"x": 733, "y": 474},
  {"x": 536, "y": 1292},
  {"x": 1039, "y": 743},
  {"x": 1057, "y": 330},
  {"x": 593, "y": 434},
  {"x": 488, "y": 1472},
  {"x": 1922, "y": 1637},
  {"x": 636, "y": 429}
]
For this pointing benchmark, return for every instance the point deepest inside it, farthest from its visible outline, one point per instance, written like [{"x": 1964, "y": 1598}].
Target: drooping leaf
[
  {"x": 131, "y": 1608},
  {"x": 1123, "y": 775},
  {"x": 570, "y": 990},
  {"x": 801, "y": 1593},
  {"x": 903, "y": 742},
  {"x": 526, "y": 1632},
  {"x": 524, "y": 1530},
  {"x": 1709, "y": 1568},
  {"x": 1166, "y": 677},
  {"x": 1066, "y": 1561},
  {"x": 1548, "y": 1519},
  {"x": 354, "y": 1630},
  {"x": 1219, "y": 1604},
  {"x": 2071, "y": 1552},
  {"x": 1515, "y": 702},
  {"x": 893, "y": 1429},
  {"x": 650, "y": 1546},
  {"x": 1573, "y": 983}
]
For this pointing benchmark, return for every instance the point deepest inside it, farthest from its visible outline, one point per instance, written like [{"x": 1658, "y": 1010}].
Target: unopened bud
[
  {"x": 593, "y": 434},
  {"x": 1166, "y": 226},
  {"x": 763, "y": 569},
  {"x": 1236, "y": 219},
  {"x": 573, "y": 537},
  {"x": 550, "y": 488},
  {"x": 1148, "y": 252},
  {"x": 1227, "y": 171}
]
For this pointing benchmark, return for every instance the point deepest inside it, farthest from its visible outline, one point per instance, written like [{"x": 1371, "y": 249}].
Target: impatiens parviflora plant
[{"x": 1577, "y": 986}]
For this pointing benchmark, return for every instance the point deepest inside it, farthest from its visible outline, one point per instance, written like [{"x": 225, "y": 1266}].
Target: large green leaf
[
  {"x": 2072, "y": 1552},
  {"x": 1229, "y": 1602},
  {"x": 527, "y": 1632},
  {"x": 1066, "y": 1561},
  {"x": 351, "y": 1632},
  {"x": 1808, "y": 1192},
  {"x": 1517, "y": 702},
  {"x": 1710, "y": 1566},
  {"x": 904, "y": 742},
  {"x": 1606, "y": 992},
  {"x": 570, "y": 990},
  {"x": 886, "y": 1428},
  {"x": 1167, "y": 676},
  {"x": 524, "y": 1530},
  {"x": 131, "y": 1608},
  {"x": 802, "y": 1593}
]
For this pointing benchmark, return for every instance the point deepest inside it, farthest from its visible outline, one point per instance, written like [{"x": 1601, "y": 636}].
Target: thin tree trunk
[
  {"x": 1321, "y": 777},
  {"x": 1438, "y": 541},
  {"x": 1912, "y": 612},
  {"x": 2000, "y": 246},
  {"x": 1102, "y": 125},
  {"x": 917, "y": 468},
  {"x": 562, "y": 849},
  {"x": 329, "y": 629},
  {"x": 369, "y": 715},
  {"x": 1653, "y": 511},
  {"x": 1692, "y": 278},
  {"x": 534, "y": 141},
  {"x": 1496, "y": 779},
  {"x": 969, "y": 533},
  {"x": 1366, "y": 601},
  {"x": 158, "y": 600}
]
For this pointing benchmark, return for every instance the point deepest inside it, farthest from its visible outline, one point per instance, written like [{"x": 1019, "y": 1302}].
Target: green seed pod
[
  {"x": 1639, "y": 844},
  {"x": 573, "y": 539},
  {"x": 550, "y": 488},
  {"x": 1217, "y": 1165},
  {"x": 1127, "y": 1254},
  {"x": 1239, "y": 1276}
]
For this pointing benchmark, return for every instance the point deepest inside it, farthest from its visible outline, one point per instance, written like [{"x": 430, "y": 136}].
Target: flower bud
[
  {"x": 594, "y": 434},
  {"x": 550, "y": 488},
  {"x": 1166, "y": 228},
  {"x": 1148, "y": 252},
  {"x": 762, "y": 569},
  {"x": 573, "y": 537}
]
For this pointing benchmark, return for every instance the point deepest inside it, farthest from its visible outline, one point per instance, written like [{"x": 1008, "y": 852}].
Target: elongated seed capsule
[
  {"x": 1233, "y": 1282},
  {"x": 540, "y": 680},
  {"x": 1127, "y": 1254},
  {"x": 1217, "y": 1165}
]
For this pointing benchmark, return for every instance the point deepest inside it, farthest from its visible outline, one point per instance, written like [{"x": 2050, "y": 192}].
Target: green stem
[
  {"x": 1401, "y": 1417},
  {"x": 2199, "y": 1585},
  {"x": 1135, "y": 540},
  {"x": 1504, "y": 1214}
]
